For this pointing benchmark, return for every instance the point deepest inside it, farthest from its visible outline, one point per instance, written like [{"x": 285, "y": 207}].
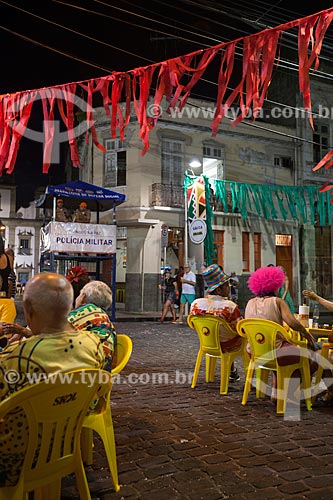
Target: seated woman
[
  {"x": 90, "y": 314},
  {"x": 264, "y": 283}
]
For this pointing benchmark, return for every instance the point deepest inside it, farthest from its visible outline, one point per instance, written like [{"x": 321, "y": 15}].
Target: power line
[
  {"x": 240, "y": 8},
  {"x": 156, "y": 21},
  {"x": 126, "y": 22},
  {"x": 72, "y": 31},
  {"x": 266, "y": 129},
  {"x": 286, "y": 64},
  {"x": 283, "y": 62},
  {"x": 35, "y": 42}
]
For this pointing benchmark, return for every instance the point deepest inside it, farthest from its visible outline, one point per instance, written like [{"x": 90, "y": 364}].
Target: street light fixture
[{"x": 195, "y": 163}]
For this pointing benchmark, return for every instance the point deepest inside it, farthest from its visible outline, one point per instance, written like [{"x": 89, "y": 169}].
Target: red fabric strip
[
  {"x": 68, "y": 92},
  {"x": 48, "y": 101},
  {"x": 305, "y": 36},
  {"x": 21, "y": 108},
  {"x": 226, "y": 68},
  {"x": 5, "y": 130}
]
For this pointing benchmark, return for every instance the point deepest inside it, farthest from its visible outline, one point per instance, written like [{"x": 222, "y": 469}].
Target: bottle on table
[{"x": 315, "y": 316}]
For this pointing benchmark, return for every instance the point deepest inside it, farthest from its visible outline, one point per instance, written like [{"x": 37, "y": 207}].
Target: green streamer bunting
[{"x": 301, "y": 203}]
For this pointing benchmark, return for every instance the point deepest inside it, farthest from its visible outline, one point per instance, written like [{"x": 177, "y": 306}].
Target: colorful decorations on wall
[{"x": 303, "y": 204}]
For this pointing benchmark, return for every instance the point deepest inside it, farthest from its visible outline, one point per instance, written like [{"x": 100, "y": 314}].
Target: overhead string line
[{"x": 259, "y": 59}]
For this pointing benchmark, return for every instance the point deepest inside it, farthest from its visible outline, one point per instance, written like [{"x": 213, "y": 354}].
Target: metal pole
[
  {"x": 185, "y": 222},
  {"x": 114, "y": 270},
  {"x": 185, "y": 233}
]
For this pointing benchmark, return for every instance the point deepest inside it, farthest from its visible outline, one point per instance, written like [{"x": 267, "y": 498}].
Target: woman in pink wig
[{"x": 264, "y": 283}]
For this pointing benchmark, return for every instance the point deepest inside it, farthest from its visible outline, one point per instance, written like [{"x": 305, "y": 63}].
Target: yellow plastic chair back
[
  {"x": 323, "y": 362},
  {"x": 100, "y": 420},
  {"x": 261, "y": 335},
  {"x": 54, "y": 411},
  {"x": 208, "y": 330},
  {"x": 124, "y": 351}
]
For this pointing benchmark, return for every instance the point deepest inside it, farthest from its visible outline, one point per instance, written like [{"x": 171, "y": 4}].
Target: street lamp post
[
  {"x": 195, "y": 163},
  {"x": 185, "y": 224}
]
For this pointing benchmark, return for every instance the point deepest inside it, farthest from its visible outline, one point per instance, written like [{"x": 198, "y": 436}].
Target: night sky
[{"x": 26, "y": 65}]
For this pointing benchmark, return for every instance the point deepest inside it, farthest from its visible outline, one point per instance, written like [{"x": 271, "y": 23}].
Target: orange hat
[
  {"x": 83, "y": 204},
  {"x": 60, "y": 199}
]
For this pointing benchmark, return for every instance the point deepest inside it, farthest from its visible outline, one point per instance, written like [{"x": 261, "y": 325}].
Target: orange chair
[
  {"x": 54, "y": 413},
  {"x": 208, "y": 330},
  {"x": 100, "y": 420},
  {"x": 261, "y": 335}
]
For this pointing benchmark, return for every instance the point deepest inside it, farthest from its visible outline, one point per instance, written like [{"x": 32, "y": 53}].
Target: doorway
[{"x": 284, "y": 256}]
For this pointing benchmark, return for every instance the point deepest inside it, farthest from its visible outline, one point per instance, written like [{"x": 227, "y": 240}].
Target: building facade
[
  {"x": 21, "y": 231},
  {"x": 252, "y": 152}
]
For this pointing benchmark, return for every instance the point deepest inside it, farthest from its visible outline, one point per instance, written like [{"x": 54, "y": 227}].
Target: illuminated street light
[{"x": 195, "y": 163}]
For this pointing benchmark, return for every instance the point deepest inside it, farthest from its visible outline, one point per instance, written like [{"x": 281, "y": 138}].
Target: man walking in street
[{"x": 188, "y": 291}]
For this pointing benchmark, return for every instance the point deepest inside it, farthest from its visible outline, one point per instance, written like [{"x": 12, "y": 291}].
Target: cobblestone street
[{"x": 174, "y": 442}]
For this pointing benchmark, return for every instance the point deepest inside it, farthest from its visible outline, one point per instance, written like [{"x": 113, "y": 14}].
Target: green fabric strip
[
  {"x": 209, "y": 240},
  {"x": 301, "y": 203}
]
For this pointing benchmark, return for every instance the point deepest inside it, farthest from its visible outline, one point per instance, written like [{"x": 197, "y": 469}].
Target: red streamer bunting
[{"x": 175, "y": 80}]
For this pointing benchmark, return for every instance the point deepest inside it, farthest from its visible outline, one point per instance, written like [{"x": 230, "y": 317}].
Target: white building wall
[{"x": 249, "y": 158}]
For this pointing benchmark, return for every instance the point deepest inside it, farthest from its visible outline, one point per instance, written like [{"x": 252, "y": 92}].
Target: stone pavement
[{"x": 174, "y": 442}]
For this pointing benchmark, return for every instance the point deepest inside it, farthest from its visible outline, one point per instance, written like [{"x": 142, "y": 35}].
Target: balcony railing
[{"x": 167, "y": 195}]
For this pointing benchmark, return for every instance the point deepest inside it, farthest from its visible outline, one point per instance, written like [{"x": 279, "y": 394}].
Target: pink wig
[{"x": 266, "y": 280}]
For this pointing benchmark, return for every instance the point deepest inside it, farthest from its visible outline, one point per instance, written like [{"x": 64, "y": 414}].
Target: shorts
[
  {"x": 187, "y": 297},
  {"x": 170, "y": 296}
]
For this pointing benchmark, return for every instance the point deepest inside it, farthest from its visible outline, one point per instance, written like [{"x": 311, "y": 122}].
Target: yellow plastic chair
[
  {"x": 54, "y": 411},
  {"x": 208, "y": 330},
  {"x": 100, "y": 420},
  {"x": 323, "y": 363},
  {"x": 261, "y": 334}
]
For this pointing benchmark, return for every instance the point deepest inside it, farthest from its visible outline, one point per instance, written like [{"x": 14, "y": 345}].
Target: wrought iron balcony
[{"x": 167, "y": 195}]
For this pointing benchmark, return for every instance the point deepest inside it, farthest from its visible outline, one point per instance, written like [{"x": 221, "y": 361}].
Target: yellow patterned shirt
[{"x": 27, "y": 362}]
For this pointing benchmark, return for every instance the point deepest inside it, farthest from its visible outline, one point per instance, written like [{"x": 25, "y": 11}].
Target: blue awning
[{"x": 96, "y": 197}]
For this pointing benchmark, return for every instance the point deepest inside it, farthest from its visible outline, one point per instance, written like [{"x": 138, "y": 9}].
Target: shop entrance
[{"x": 284, "y": 256}]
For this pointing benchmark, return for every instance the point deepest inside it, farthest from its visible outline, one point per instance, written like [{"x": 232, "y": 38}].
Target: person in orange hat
[
  {"x": 62, "y": 214},
  {"x": 82, "y": 214}
]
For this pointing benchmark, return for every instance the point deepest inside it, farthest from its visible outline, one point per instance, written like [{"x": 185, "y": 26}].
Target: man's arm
[
  {"x": 189, "y": 282},
  {"x": 309, "y": 294},
  {"x": 291, "y": 321}
]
